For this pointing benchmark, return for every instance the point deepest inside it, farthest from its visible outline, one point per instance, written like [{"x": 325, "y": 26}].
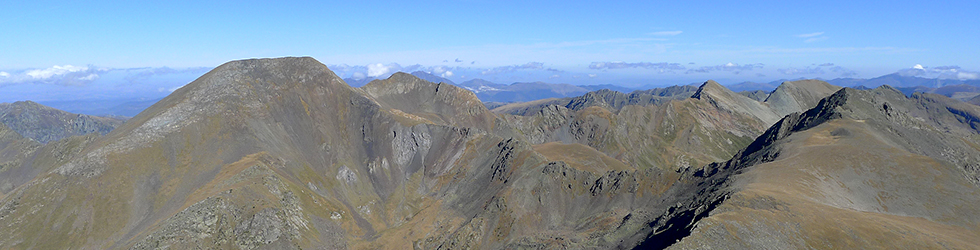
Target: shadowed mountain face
[
  {"x": 45, "y": 124},
  {"x": 282, "y": 154}
]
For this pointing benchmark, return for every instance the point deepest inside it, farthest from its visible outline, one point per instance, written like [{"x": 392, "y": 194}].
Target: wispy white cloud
[
  {"x": 511, "y": 68},
  {"x": 41, "y": 74},
  {"x": 59, "y": 75},
  {"x": 815, "y": 39},
  {"x": 666, "y": 33},
  {"x": 809, "y": 35},
  {"x": 802, "y": 71},
  {"x": 731, "y": 67},
  {"x": 89, "y": 77},
  {"x": 967, "y": 76},
  {"x": 942, "y": 72},
  {"x": 821, "y": 69},
  {"x": 382, "y": 70},
  {"x": 662, "y": 67},
  {"x": 844, "y": 72},
  {"x": 594, "y": 42},
  {"x": 824, "y": 50}
]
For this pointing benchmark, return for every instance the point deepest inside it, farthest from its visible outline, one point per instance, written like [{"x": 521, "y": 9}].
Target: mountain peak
[
  {"x": 432, "y": 78},
  {"x": 709, "y": 86},
  {"x": 250, "y": 81},
  {"x": 434, "y": 101},
  {"x": 798, "y": 96},
  {"x": 723, "y": 98},
  {"x": 238, "y": 90}
]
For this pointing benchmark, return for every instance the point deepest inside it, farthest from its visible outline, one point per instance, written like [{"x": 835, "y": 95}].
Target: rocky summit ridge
[{"x": 282, "y": 154}]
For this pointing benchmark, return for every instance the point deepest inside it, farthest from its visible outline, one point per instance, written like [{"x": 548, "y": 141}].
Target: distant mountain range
[
  {"x": 498, "y": 94},
  {"x": 895, "y": 80},
  {"x": 506, "y": 93},
  {"x": 958, "y": 89},
  {"x": 490, "y": 92}
]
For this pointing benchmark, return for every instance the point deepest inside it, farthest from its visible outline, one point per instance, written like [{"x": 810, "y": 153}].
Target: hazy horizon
[{"x": 59, "y": 51}]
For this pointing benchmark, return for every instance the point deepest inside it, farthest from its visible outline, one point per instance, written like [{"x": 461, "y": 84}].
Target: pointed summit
[
  {"x": 725, "y": 99},
  {"x": 798, "y": 96},
  {"x": 707, "y": 88}
]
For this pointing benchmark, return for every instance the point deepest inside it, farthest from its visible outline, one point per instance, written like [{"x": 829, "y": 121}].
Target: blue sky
[{"x": 630, "y": 43}]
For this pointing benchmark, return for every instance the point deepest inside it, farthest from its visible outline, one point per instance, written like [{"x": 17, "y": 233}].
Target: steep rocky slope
[
  {"x": 45, "y": 124},
  {"x": 863, "y": 169}
]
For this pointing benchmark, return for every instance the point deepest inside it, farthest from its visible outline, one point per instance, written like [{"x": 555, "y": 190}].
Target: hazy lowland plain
[{"x": 284, "y": 154}]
